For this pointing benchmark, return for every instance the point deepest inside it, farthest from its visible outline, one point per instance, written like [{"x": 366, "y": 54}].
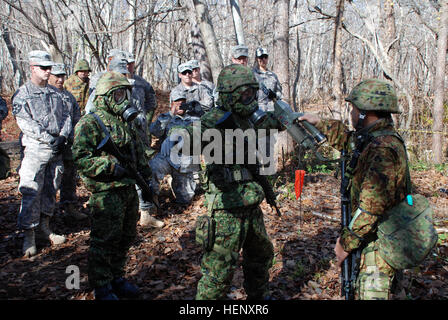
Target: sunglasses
[
  {"x": 44, "y": 67},
  {"x": 263, "y": 56},
  {"x": 186, "y": 72}
]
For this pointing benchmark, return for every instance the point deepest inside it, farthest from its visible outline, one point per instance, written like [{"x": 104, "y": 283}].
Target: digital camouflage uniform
[
  {"x": 77, "y": 87},
  {"x": 270, "y": 80},
  {"x": 233, "y": 198},
  {"x": 378, "y": 183},
  {"x": 42, "y": 116},
  {"x": 114, "y": 201}
]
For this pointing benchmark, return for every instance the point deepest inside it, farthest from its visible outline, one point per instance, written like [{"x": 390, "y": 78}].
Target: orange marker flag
[{"x": 298, "y": 185}]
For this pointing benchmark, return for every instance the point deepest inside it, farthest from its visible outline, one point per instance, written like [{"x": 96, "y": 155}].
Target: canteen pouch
[
  {"x": 407, "y": 235},
  {"x": 205, "y": 232}
]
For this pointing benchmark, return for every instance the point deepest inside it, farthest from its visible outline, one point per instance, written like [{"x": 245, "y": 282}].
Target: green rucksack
[{"x": 406, "y": 235}]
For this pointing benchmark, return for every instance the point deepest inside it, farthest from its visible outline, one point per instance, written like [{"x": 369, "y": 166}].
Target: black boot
[
  {"x": 124, "y": 289},
  {"x": 104, "y": 293}
]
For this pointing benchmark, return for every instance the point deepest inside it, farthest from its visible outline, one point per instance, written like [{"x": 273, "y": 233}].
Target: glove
[
  {"x": 58, "y": 144},
  {"x": 271, "y": 95},
  {"x": 119, "y": 172}
]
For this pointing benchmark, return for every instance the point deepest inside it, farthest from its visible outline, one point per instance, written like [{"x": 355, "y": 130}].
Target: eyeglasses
[
  {"x": 186, "y": 72},
  {"x": 120, "y": 95},
  {"x": 248, "y": 95}
]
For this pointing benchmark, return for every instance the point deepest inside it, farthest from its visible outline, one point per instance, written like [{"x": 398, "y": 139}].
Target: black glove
[
  {"x": 58, "y": 144},
  {"x": 119, "y": 172},
  {"x": 271, "y": 95}
]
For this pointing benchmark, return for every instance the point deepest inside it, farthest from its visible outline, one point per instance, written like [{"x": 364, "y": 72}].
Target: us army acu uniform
[
  {"x": 378, "y": 183},
  {"x": 181, "y": 168},
  {"x": 114, "y": 201},
  {"x": 44, "y": 121},
  {"x": 207, "y": 90},
  {"x": 68, "y": 182},
  {"x": 270, "y": 80},
  {"x": 78, "y": 87},
  {"x": 233, "y": 196}
]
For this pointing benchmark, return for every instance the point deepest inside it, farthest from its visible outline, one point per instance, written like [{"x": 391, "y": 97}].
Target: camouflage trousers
[
  {"x": 68, "y": 182},
  {"x": 237, "y": 229},
  {"x": 113, "y": 229},
  {"x": 375, "y": 278},
  {"x": 40, "y": 176}
]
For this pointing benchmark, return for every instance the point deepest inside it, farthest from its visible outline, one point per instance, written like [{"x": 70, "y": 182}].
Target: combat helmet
[
  {"x": 111, "y": 80},
  {"x": 81, "y": 65},
  {"x": 234, "y": 76},
  {"x": 374, "y": 95}
]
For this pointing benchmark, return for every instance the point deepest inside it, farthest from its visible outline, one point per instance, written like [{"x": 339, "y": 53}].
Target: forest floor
[{"x": 165, "y": 263}]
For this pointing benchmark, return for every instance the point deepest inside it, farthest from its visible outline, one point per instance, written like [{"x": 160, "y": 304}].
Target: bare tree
[
  {"x": 237, "y": 21},
  {"x": 439, "y": 83},
  {"x": 337, "y": 58}
]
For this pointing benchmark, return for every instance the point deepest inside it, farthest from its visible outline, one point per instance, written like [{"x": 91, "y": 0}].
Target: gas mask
[
  {"x": 119, "y": 103},
  {"x": 243, "y": 101}
]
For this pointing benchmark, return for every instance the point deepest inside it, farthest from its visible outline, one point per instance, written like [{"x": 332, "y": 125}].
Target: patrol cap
[
  {"x": 40, "y": 58},
  {"x": 130, "y": 57},
  {"x": 240, "y": 50},
  {"x": 117, "y": 53},
  {"x": 194, "y": 64},
  {"x": 118, "y": 65},
  {"x": 260, "y": 52},
  {"x": 183, "y": 67},
  {"x": 58, "y": 69},
  {"x": 178, "y": 95}
]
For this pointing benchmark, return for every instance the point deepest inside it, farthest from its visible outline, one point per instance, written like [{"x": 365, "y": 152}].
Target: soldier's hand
[
  {"x": 340, "y": 253},
  {"x": 58, "y": 144},
  {"x": 310, "y": 117}
]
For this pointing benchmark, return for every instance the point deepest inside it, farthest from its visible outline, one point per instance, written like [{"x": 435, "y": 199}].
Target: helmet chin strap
[{"x": 361, "y": 118}]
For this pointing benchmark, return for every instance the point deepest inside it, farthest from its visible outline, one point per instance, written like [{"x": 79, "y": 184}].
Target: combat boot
[
  {"x": 104, "y": 293},
  {"x": 29, "y": 244},
  {"x": 147, "y": 220},
  {"x": 71, "y": 212},
  {"x": 54, "y": 238},
  {"x": 125, "y": 289}
]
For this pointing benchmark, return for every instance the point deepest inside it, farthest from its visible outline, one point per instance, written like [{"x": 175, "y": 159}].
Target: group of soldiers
[{"x": 101, "y": 128}]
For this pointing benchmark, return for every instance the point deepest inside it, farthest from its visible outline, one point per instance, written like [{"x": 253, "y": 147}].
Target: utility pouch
[{"x": 205, "y": 232}]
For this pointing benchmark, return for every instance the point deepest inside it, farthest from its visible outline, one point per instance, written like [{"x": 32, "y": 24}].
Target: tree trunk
[
  {"x": 208, "y": 37},
  {"x": 337, "y": 59},
  {"x": 237, "y": 21},
  {"x": 439, "y": 84},
  {"x": 284, "y": 145}
]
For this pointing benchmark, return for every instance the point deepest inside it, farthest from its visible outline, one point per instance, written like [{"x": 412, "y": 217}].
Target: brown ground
[{"x": 166, "y": 263}]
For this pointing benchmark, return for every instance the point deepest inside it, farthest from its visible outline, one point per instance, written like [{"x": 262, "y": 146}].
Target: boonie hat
[{"x": 40, "y": 58}]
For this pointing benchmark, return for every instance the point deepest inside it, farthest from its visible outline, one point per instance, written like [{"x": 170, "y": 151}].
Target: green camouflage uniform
[
  {"x": 77, "y": 87},
  {"x": 114, "y": 202},
  {"x": 234, "y": 205},
  {"x": 378, "y": 183}
]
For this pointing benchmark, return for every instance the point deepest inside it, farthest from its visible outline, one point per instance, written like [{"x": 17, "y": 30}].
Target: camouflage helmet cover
[
  {"x": 234, "y": 76},
  {"x": 111, "y": 80},
  {"x": 374, "y": 95},
  {"x": 81, "y": 65}
]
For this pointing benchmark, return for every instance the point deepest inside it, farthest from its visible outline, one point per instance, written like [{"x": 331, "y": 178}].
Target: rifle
[{"x": 108, "y": 145}]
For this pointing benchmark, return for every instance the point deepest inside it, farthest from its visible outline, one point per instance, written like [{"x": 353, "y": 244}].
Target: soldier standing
[
  {"x": 46, "y": 124},
  {"x": 68, "y": 197},
  {"x": 143, "y": 98},
  {"x": 78, "y": 83},
  {"x": 206, "y": 88},
  {"x": 114, "y": 200},
  {"x": 378, "y": 182},
  {"x": 233, "y": 195},
  {"x": 5, "y": 165}
]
